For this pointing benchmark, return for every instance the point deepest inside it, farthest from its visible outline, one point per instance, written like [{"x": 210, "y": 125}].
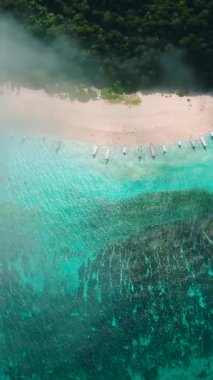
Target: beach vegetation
[
  {"x": 182, "y": 93},
  {"x": 132, "y": 100},
  {"x": 82, "y": 93},
  {"x": 111, "y": 95}
]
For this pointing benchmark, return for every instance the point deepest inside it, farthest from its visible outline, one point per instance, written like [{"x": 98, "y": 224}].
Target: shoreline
[{"x": 161, "y": 118}]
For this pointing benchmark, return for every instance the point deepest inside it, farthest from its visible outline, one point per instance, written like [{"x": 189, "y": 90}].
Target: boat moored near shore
[
  {"x": 95, "y": 150},
  {"x": 140, "y": 153},
  {"x": 192, "y": 144},
  {"x": 203, "y": 142},
  {"x": 124, "y": 150},
  {"x": 23, "y": 139},
  {"x": 58, "y": 147},
  {"x": 107, "y": 156},
  {"x": 152, "y": 151},
  {"x": 164, "y": 149}
]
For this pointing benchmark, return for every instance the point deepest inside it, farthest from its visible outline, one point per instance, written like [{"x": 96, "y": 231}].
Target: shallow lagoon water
[{"x": 105, "y": 267}]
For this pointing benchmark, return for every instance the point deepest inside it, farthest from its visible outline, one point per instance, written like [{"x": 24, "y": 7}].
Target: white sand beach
[{"x": 160, "y": 118}]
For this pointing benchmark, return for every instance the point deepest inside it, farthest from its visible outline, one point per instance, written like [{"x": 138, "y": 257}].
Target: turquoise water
[{"x": 105, "y": 268}]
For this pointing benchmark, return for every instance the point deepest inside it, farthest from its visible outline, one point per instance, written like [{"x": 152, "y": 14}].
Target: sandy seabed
[{"x": 160, "y": 118}]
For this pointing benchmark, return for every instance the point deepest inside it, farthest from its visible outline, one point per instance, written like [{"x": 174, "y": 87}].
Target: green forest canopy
[{"x": 128, "y": 43}]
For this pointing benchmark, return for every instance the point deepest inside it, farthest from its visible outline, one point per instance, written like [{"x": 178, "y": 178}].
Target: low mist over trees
[{"x": 129, "y": 43}]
